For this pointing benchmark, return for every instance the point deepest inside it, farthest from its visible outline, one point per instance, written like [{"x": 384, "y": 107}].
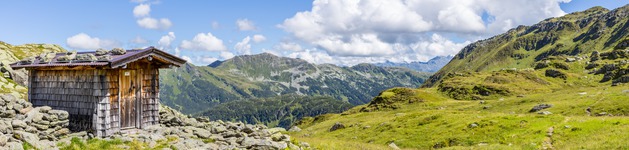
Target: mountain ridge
[
  {"x": 578, "y": 33},
  {"x": 266, "y": 75},
  {"x": 432, "y": 65}
]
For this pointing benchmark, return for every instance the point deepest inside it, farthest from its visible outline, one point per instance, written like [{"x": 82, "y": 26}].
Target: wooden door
[{"x": 128, "y": 98}]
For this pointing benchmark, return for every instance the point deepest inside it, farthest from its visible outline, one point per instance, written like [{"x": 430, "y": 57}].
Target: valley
[{"x": 194, "y": 89}]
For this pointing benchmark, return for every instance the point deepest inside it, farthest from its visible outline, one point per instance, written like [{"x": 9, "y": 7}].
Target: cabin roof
[{"x": 115, "y": 61}]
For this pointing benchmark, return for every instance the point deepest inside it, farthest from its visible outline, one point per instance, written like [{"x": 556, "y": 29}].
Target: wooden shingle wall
[
  {"x": 150, "y": 97},
  {"x": 92, "y": 95},
  {"x": 102, "y": 118},
  {"x": 69, "y": 90},
  {"x": 113, "y": 100}
]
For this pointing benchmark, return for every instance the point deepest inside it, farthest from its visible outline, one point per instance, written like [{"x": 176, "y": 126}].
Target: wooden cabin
[{"x": 103, "y": 91}]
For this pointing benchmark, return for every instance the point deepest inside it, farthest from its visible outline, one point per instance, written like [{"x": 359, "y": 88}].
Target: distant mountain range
[
  {"x": 193, "y": 89},
  {"x": 432, "y": 65}
]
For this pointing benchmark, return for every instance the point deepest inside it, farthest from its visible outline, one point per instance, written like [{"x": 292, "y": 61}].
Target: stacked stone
[
  {"x": 194, "y": 133},
  {"x": 39, "y": 126}
]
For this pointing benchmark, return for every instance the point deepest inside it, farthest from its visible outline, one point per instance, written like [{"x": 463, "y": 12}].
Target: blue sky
[{"x": 321, "y": 31}]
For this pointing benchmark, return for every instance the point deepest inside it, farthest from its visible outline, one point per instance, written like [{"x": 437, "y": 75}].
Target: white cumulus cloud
[
  {"x": 203, "y": 41},
  {"x": 245, "y": 25},
  {"x": 369, "y": 30},
  {"x": 243, "y": 47},
  {"x": 86, "y": 42},
  {"x": 144, "y": 19},
  {"x": 187, "y": 58},
  {"x": 177, "y": 52},
  {"x": 142, "y": 10},
  {"x": 152, "y": 23},
  {"x": 166, "y": 40},
  {"x": 207, "y": 60},
  {"x": 227, "y": 55},
  {"x": 259, "y": 38}
]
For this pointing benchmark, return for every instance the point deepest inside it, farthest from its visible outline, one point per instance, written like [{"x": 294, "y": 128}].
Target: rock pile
[
  {"x": 39, "y": 126},
  {"x": 44, "y": 128},
  {"x": 194, "y": 133}
]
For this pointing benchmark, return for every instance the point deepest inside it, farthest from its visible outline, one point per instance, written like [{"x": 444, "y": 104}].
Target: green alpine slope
[
  {"x": 553, "y": 41},
  {"x": 558, "y": 84}
]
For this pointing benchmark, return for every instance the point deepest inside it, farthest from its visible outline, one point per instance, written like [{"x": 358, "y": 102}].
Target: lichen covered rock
[
  {"x": 101, "y": 52},
  {"x": 86, "y": 57},
  {"x": 118, "y": 51}
]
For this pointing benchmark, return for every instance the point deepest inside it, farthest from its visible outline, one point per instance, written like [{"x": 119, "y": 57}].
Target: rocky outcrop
[
  {"x": 14, "y": 81},
  {"x": 555, "y": 74},
  {"x": 337, "y": 126},
  {"x": 540, "y": 107}
]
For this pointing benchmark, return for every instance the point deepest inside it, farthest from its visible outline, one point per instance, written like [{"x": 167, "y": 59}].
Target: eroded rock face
[{"x": 555, "y": 74}]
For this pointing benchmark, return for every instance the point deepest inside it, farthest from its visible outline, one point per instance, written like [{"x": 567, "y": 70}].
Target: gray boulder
[
  {"x": 14, "y": 146},
  {"x": 294, "y": 129},
  {"x": 6, "y": 127},
  {"x": 26, "y": 137},
  {"x": 3, "y": 140},
  {"x": 46, "y": 57},
  {"x": 101, "y": 52},
  {"x": 555, "y": 74},
  {"x": 337, "y": 126},
  {"x": 86, "y": 57},
  {"x": 540, "y": 107},
  {"x": 61, "y": 115},
  {"x": 393, "y": 146},
  {"x": 202, "y": 133},
  {"x": 18, "y": 124},
  {"x": 103, "y": 58},
  {"x": 68, "y": 57},
  {"x": 118, "y": 51}
]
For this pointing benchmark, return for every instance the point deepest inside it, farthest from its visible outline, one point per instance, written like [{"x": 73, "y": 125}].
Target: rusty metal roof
[{"x": 115, "y": 61}]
